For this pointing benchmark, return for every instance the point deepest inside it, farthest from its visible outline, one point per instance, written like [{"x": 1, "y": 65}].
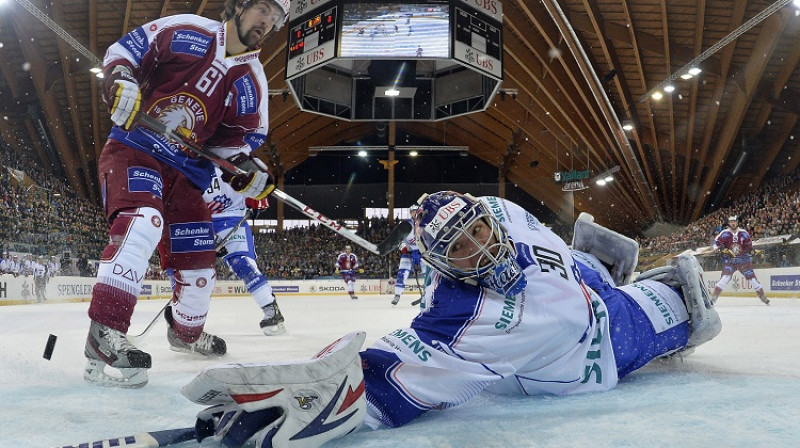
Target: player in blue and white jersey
[
  {"x": 228, "y": 209},
  {"x": 508, "y": 310}
]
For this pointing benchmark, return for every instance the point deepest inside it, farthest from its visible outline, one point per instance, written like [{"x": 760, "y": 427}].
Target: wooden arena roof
[{"x": 581, "y": 69}]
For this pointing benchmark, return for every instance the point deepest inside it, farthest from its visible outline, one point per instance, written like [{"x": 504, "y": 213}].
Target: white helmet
[{"x": 284, "y": 6}]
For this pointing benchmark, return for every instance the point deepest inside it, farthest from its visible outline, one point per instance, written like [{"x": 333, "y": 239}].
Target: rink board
[
  {"x": 781, "y": 282},
  {"x": 18, "y": 290}
]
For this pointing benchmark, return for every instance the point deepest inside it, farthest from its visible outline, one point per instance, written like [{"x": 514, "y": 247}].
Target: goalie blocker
[{"x": 300, "y": 404}]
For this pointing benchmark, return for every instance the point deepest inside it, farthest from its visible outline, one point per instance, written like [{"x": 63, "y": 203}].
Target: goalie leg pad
[
  {"x": 687, "y": 276},
  {"x": 318, "y": 399},
  {"x": 618, "y": 252}
]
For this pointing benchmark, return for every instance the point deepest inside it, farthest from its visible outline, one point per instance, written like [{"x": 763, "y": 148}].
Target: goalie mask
[{"x": 458, "y": 235}]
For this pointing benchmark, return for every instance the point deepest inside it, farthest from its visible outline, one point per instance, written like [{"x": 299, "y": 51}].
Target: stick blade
[{"x": 395, "y": 237}]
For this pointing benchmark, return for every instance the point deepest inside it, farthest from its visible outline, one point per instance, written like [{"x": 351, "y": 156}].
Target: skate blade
[
  {"x": 274, "y": 330},
  {"x": 133, "y": 378}
]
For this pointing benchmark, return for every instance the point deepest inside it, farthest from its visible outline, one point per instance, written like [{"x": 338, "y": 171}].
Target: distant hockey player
[
  {"x": 511, "y": 311},
  {"x": 734, "y": 246},
  {"x": 346, "y": 265},
  {"x": 228, "y": 209},
  {"x": 410, "y": 261},
  {"x": 202, "y": 78}
]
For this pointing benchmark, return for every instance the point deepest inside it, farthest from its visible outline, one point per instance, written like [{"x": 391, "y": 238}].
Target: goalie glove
[
  {"x": 122, "y": 96},
  {"x": 231, "y": 426},
  {"x": 256, "y": 183}
]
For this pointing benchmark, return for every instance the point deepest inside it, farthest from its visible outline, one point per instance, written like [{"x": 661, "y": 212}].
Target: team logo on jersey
[
  {"x": 304, "y": 400},
  {"x": 145, "y": 180},
  {"x": 156, "y": 221},
  {"x": 136, "y": 43},
  {"x": 201, "y": 282},
  {"x": 190, "y": 42},
  {"x": 246, "y": 95},
  {"x": 181, "y": 110}
]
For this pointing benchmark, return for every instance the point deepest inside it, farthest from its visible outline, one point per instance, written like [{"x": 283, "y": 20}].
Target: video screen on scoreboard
[{"x": 381, "y": 30}]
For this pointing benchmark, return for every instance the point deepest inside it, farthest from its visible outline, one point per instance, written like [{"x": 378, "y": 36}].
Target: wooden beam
[
  {"x": 33, "y": 55},
  {"x": 85, "y": 152},
  {"x": 753, "y": 71}
]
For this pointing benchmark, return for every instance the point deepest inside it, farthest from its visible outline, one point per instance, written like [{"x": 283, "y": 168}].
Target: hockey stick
[
  {"x": 218, "y": 244},
  {"x": 154, "y": 439},
  {"x": 385, "y": 247},
  {"x": 421, "y": 291}
]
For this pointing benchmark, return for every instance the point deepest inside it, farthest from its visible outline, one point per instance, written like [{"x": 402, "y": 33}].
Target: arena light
[
  {"x": 606, "y": 176},
  {"x": 669, "y": 88},
  {"x": 657, "y": 95},
  {"x": 362, "y": 153},
  {"x": 694, "y": 71}
]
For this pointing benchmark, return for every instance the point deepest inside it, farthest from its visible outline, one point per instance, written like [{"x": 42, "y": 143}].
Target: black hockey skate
[
  {"x": 396, "y": 299},
  {"x": 207, "y": 344},
  {"x": 108, "y": 347},
  {"x": 272, "y": 323}
]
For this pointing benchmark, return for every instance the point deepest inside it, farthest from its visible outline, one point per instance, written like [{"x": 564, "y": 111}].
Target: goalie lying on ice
[{"x": 511, "y": 309}]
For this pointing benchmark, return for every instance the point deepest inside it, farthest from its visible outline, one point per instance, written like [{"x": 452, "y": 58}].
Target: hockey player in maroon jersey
[
  {"x": 735, "y": 244},
  {"x": 346, "y": 264},
  {"x": 204, "y": 79}
]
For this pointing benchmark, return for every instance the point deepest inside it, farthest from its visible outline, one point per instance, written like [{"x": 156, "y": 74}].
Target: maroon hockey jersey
[{"x": 187, "y": 80}]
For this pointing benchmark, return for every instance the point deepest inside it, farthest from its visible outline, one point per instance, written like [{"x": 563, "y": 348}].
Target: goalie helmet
[{"x": 450, "y": 238}]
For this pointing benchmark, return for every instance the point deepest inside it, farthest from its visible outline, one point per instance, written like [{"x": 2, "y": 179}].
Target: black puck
[{"x": 48, "y": 349}]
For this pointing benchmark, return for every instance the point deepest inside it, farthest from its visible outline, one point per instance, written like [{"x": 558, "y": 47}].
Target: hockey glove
[
  {"x": 122, "y": 96},
  {"x": 727, "y": 253},
  {"x": 253, "y": 204},
  {"x": 256, "y": 183},
  {"x": 416, "y": 258}
]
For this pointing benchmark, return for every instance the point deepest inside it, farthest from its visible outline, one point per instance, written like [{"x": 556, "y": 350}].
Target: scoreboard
[
  {"x": 312, "y": 42},
  {"x": 478, "y": 41}
]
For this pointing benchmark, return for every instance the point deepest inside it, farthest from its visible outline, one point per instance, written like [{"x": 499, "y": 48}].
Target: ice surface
[{"x": 740, "y": 390}]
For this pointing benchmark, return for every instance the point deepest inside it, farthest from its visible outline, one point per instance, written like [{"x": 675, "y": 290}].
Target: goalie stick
[
  {"x": 154, "y": 439},
  {"x": 383, "y": 248}
]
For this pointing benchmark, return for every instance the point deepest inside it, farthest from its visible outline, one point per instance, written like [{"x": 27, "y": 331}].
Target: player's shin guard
[
  {"x": 256, "y": 283},
  {"x": 618, "y": 252},
  {"x": 134, "y": 236},
  {"x": 187, "y": 315},
  {"x": 300, "y": 404},
  {"x": 687, "y": 276}
]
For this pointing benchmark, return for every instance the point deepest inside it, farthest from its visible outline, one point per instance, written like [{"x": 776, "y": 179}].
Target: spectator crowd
[{"x": 43, "y": 222}]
